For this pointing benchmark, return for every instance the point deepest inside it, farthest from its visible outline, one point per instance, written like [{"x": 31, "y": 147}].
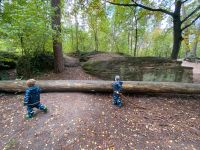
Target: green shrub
[
  {"x": 7, "y": 60},
  {"x": 43, "y": 61},
  {"x": 29, "y": 66}
]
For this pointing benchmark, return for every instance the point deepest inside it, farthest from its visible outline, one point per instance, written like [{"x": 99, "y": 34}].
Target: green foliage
[
  {"x": 93, "y": 25},
  {"x": 28, "y": 24},
  {"x": 159, "y": 44},
  {"x": 29, "y": 66},
  {"x": 7, "y": 60},
  {"x": 4, "y": 75}
]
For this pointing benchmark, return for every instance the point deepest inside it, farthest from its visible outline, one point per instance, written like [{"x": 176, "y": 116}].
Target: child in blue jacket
[
  {"x": 32, "y": 98},
  {"x": 117, "y": 88}
]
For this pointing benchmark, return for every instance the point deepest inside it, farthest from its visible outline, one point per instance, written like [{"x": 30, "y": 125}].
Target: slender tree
[
  {"x": 57, "y": 44},
  {"x": 186, "y": 34},
  {"x": 76, "y": 31},
  {"x": 196, "y": 40},
  {"x": 136, "y": 30},
  {"x": 178, "y": 26},
  {"x": 95, "y": 11}
]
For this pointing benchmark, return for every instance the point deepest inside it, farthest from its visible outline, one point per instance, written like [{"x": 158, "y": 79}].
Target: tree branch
[
  {"x": 184, "y": 1},
  {"x": 153, "y": 9},
  {"x": 191, "y": 23},
  {"x": 143, "y": 6},
  {"x": 119, "y": 4},
  {"x": 194, "y": 11}
]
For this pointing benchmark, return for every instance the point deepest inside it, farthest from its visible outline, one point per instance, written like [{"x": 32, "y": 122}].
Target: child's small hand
[{"x": 116, "y": 92}]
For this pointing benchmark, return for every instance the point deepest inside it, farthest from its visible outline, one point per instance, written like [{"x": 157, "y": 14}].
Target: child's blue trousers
[
  {"x": 117, "y": 100},
  {"x": 38, "y": 106}
]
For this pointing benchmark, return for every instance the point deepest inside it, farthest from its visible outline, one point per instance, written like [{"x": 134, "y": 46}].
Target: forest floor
[{"x": 89, "y": 120}]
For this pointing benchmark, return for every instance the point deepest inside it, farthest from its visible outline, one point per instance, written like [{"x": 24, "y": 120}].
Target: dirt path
[
  {"x": 70, "y": 73},
  {"x": 89, "y": 121}
]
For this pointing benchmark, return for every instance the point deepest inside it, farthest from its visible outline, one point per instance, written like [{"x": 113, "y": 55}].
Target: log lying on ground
[{"x": 102, "y": 86}]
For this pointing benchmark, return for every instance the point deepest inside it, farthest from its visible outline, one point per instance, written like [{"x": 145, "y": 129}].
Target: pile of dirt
[{"x": 70, "y": 73}]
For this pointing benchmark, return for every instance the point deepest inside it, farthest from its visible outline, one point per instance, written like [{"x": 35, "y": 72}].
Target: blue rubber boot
[
  {"x": 29, "y": 116},
  {"x": 119, "y": 103},
  {"x": 45, "y": 109}
]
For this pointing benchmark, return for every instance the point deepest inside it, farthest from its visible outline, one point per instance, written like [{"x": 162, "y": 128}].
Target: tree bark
[
  {"x": 57, "y": 44},
  {"x": 77, "y": 40},
  {"x": 177, "y": 32},
  {"x": 186, "y": 33},
  {"x": 177, "y": 38},
  {"x": 129, "y": 41},
  {"x": 194, "y": 46},
  {"x": 22, "y": 44},
  {"x": 102, "y": 86},
  {"x": 195, "y": 41},
  {"x": 136, "y": 32},
  {"x": 72, "y": 38},
  {"x": 96, "y": 40}
]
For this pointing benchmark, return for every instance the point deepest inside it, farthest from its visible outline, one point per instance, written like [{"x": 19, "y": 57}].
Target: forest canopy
[{"x": 99, "y": 25}]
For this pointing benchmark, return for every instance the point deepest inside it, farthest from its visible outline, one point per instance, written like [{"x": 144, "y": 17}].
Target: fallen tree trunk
[{"x": 102, "y": 86}]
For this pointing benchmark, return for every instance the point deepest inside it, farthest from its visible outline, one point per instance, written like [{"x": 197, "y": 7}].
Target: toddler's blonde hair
[{"x": 30, "y": 82}]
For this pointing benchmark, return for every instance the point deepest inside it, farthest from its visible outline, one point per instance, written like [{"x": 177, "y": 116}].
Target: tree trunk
[
  {"x": 136, "y": 37},
  {"x": 129, "y": 41},
  {"x": 96, "y": 40},
  {"x": 136, "y": 31},
  {"x": 115, "y": 40},
  {"x": 177, "y": 38},
  {"x": 177, "y": 32},
  {"x": 195, "y": 42},
  {"x": 194, "y": 46},
  {"x": 57, "y": 44},
  {"x": 77, "y": 43},
  {"x": 72, "y": 38},
  {"x": 186, "y": 34},
  {"x": 102, "y": 86},
  {"x": 22, "y": 44}
]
